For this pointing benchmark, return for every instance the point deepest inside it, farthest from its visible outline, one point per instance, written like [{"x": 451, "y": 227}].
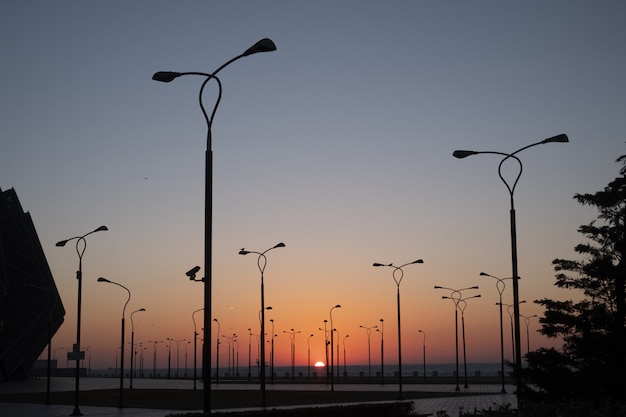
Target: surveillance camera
[{"x": 192, "y": 272}]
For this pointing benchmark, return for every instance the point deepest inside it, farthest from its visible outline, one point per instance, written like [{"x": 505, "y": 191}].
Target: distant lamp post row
[
  {"x": 510, "y": 185},
  {"x": 398, "y": 273},
  {"x": 81, "y": 245},
  {"x": 264, "y": 45}
]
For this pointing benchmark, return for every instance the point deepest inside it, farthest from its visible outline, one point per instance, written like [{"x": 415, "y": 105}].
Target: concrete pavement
[{"x": 489, "y": 396}]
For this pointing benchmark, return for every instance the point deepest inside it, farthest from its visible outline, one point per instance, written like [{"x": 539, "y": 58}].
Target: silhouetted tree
[{"x": 592, "y": 363}]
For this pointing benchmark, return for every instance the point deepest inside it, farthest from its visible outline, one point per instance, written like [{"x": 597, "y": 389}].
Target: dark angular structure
[{"x": 31, "y": 310}]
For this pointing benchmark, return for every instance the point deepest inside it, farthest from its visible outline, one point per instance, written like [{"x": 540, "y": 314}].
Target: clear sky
[{"x": 338, "y": 144}]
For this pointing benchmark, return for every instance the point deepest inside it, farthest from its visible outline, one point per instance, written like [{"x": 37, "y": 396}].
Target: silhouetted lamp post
[
  {"x": 81, "y": 245},
  {"x": 308, "y": 361},
  {"x": 423, "y": 352},
  {"x": 332, "y": 348},
  {"x": 527, "y": 320},
  {"x": 195, "y": 347},
  {"x": 132, "y": 344},
  {"x": 261, "y": 263},
  {"x": 462, "y": 305},
  {"x": 368, "y": 330},
  {"x": 500, "y": 286},
  {"x": 122, "y": 352},
  {"x": 264, "y": 45},
  {"x": 382, "y": 351},
  {"x": 398, "y": 279},
  {"x": 510, "y": 185},
  {"x": 455, "y": 296}
]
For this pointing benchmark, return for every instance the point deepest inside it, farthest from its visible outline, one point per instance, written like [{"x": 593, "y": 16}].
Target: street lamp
[
  {"x": 527, "y": 320},
  {"x": 398, "y": 280},
  {"x": 345, "y": 368},
  {"x": 455, "y": 296},
  {"x": 508, "y": 310},
  {"x": 81, "y": 245},
  {"x": 462, "y": 304},
  {"x": 122, "y": 351},
  {"x": 262, "y": 263},
  {"x": 382, "y": 351},
  {"x": 195, "y": 346},
  {"x": 292, "y": 336},
  {"x": 132, "y": 344},
  {"x": 500, "y": 286},
  {"x": 369, "y": 350},
  {"x": 326, "y": 342},
  {"x": 154, "y": 356},
  {"x": 272, "y": 353},
  {"x": 308, "y": 362},
  {"x": 264, "y": 45},
  {"x": 332, "y": 348},
  {"x": 217, "y": 353},
  {"x": 423, "y": 352},
  {"x": 510, "y": 185}
]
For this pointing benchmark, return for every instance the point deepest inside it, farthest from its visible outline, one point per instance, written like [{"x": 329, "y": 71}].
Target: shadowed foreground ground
[{"x": 223, "y": 399}]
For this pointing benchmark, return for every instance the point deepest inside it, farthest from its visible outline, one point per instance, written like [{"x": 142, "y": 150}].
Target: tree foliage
[{"x": 592, "y": 362}]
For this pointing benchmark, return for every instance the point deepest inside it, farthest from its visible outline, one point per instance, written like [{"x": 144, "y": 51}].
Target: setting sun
[{"x": 319, "y": 364}]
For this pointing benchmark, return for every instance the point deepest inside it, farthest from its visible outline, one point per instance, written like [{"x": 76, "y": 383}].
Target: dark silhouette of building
[{"x": 31, "y": 310}]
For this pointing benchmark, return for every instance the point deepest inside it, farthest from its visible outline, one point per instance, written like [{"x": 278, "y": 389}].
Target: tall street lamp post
[
  {"x": 264, "y": 45},
  {"x": 121, "y": 404},
  {"x": 398, "y": 273},
  {"x": 368, "y": 330},
  {"x": 272, "y": 353},
  {"x": 308, "y": 360},
  {"x": 500, "y": 286},
  {"x": 510, "y": 185},
  {"x": 462, "y": 304},
  {"x": 261, "y": 263},
  {"x": 195, "y": 346},
  {"x": 527, "y": 320},
  {"x": 382, "y": 351},
  {"x": 132, "y": 344},
  {"x": 81, "y": 245},
  {"x": 345, "y": 367},
  {"x": 332, "y": 348},
  {"x": 423, "y": 353},
  {"x": 455, "y": 296},
  {"x": 217, "y": 352}
]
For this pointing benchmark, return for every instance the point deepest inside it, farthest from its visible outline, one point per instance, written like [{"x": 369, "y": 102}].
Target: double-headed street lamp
[
  {"x": 500, "y": 286},
  {"x": 462, "y": 304},
  {"x": 132, "y": 344},
  {"x": 261, "y": 263},
  {"x": 510, "y": 185},
  {"x": 368, "y": 330},
  {"x": 122, "y": 352},
  {"x": 398, "y": 279},
  {"x": 264, "y": 45},
  {"x": 527, "y": 320},
  {"x": 332, "y": 348},
  {"x": 455, "y": 296},
  {"x": 81, "y": 245}
]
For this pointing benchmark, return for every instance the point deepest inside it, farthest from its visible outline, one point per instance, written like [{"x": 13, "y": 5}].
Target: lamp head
[
  {"x": 437, "y": 287},
  {"x": 279, "y": 245},
  {"x": 243, "y": 251},
  {"x": 142, "y": 309},
  {"x": 101, "y": 228},
  {"x": 419, "y": 261},
  {"x": 62, "y": 242},
  {"x": 463, "y": 154},
  {"x": 337, "y": 306},
  {"x": 103, "y": 280},
  {"x": 562, "y": 138},
  {"x": 165, "y": 76},
  {"x": 484, "y": 274},
  {"x": 264, "y": 45}
]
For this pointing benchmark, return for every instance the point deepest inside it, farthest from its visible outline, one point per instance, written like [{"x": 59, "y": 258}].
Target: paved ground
[{"x": 489, "y": 396}]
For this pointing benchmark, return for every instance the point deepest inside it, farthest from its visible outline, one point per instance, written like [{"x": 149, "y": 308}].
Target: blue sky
[{"x": 339, "y": 144}]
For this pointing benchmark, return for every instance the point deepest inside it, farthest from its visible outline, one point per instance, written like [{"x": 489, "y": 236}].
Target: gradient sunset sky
[{"x": 338, "y": 144}]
